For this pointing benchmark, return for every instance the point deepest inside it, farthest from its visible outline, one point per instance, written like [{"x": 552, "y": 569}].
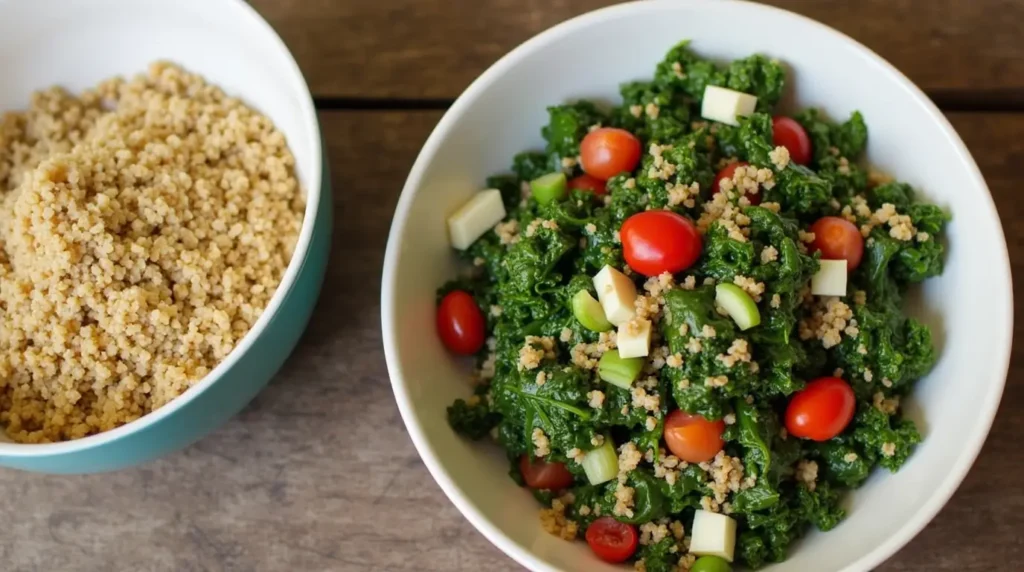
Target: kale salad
[{"x": 686, "y": 315}]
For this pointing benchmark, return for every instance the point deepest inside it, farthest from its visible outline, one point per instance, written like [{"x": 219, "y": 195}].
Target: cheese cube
[
  {"x": 617, "y": 295},
  {"x": 476, "y": 217},
  {"x": 713, "y": 534},
  {"x": 830, "y": 279},
  {"x": 726, "y": 105},
  {"x": 634, "y": 338}
]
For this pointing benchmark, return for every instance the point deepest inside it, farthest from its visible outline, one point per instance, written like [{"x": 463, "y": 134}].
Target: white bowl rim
[
  {"x": 521, "y": 554},
  {"x": 313, "y": 190}
]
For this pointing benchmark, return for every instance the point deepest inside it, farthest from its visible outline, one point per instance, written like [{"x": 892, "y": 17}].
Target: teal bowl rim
[{"x": 314, "y": 188}]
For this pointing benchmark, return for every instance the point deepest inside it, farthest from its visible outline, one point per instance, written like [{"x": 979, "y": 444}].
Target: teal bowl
[{"x": 229, "y": 44}]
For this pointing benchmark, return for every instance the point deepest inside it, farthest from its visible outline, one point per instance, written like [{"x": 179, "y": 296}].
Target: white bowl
[{"x": 969, "y": 307}]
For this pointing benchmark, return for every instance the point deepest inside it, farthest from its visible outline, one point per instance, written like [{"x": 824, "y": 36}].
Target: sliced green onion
[
  {"x": 738, "y": 304},
  {"x": 711, "y": 564},
  {"x": 589, "y": 312},
  {"x": 601, "y": 464},
  {"x": 550, "y": 187},
  {"x": 618, "y": 370}
]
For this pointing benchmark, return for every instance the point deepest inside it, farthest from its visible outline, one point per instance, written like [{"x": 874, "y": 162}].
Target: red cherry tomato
[
  {"x": 460, "y": 323},
  {"x": 608, "y": 151},
  {"x": 540, "y": 474},
  {"x": 821, "y": 410},
  {"x": 659, "y": 241},
  {"x": 838, "y": 239},
  {"x": 726, "y": 173},
  {"x": 611, "y": 540},
  {"x": 588, "y": 183},
  {"x": 693, "y": 438},
  {"x": 791, "y": 135}
]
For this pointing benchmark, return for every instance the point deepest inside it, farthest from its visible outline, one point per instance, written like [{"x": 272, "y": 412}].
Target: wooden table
[{"x": 318, "y": 473}]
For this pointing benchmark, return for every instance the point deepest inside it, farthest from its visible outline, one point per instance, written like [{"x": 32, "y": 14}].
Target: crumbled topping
[
  {"x": 827, "y": 322},
  {"x": 779, "y": 157},
  {"x": 806, "y": 237},
  {"x": 566, "y": 334},
  {"x": 642, "y": 399},
  {"x": 750, "y": 286},
  {"x": 716, "y": 381},
  {"x": 636, "y": 110},
  {"x": 888, "y": 449},
  {"x": 850, "y": 457},
  {"x": 576, "y": 455},
  {"x": 554, "y": 521},
  {"x": 708, "y": 331},
  {"x": 534, "y": 350},
  {"x": 807, "y": 473},
  {"x": 677, "y": 70},
  {"x": 496, "y": 310},
  {"x": 730, "y": 419},
  {"x": 885, "y": 405},
  {"x": 769, "y": 254},
  {"x": 776, "y": 301},
  {"x": 508, "y": 232},
  {"x": 652, "y": 533},
  {"x": 674, "y": 360},
  {"x": 739, "y": 351},
  {"x": 591, "y": 228},
  {"x": 694, "y": 346},
  {"x": 541, "y": 444},
  {"x": 595, "y": 398},
  {"x": 652, "y": 110},
  {"x": 651, "y": 423}
]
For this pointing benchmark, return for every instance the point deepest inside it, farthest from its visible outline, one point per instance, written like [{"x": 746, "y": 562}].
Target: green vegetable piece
[
  {"x": 601, "y": 464},
  {"x": 738, "y": 304},
  {"x": 550, "y": 187},
  {"x": 589, "y": 312},
  {"x": 711, "y": 564},
  {"x": 617, "y": 370}
]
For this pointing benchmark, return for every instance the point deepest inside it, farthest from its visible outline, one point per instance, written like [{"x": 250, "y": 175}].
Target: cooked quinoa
[{"x": 144, "y": 226}]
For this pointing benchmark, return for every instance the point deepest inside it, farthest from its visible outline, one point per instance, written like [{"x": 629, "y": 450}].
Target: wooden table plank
[
  {"x": 319, "y": 474},
  {"x": 433, "y": 49}
]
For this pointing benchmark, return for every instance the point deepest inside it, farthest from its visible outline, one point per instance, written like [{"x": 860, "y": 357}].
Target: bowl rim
[
  {"x": 250, "y": 17},
  {"x": 521, "y": 554}
]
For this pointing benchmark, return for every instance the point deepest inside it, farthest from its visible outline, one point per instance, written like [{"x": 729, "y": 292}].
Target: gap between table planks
[
  {"x": 319, "y": 474},
  {"x": 966, "y": 54}
]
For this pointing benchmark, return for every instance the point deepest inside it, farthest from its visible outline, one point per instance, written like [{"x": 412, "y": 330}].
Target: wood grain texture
[
  {"x": 434, "y": 48},
  {"x": 318, "y": 473}
]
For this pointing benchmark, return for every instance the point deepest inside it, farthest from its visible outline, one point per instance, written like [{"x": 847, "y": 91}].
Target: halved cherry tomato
[
  {"x": 693, "y": 438},
  {"x": 540, "y": 474},
  {"x": 791, "y": 135},
  {"x": 821, "y": 410},
  {"x": 611, "y": 540},
  {"x": 588, "y": 183},
  {"x": 838, "y": 239},
  {"x": 460, "y": 323},
  {"x": 659, "y": 241},
  {"x": 726, "y": 173},
  {"x": 608, "y": 151}
]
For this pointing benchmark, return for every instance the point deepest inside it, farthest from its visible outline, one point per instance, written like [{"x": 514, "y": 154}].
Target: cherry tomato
[
  {"x": 838, "y": 239},
  {"x": 659, "y": 241},
  {"x": 540, "y": 474},
  {"x": 693, "y": 438},
  {"x": 460, "y": 323},
  {"x": 608, "y": 151},
  {"x": 611, "y": 540},
  {"x": 791, "y": 135},
  {"x": 821, "y": 410},
  {"x": 588, "y": 183},
  {"x": 726, "y": 173}
]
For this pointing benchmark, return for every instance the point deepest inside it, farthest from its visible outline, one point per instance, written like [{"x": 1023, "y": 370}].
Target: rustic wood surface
[
  {"x": 433, "y": 48},
  {"x": 318, "y": 472}
]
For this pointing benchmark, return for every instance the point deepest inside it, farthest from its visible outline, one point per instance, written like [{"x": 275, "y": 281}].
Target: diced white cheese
[
  {"x": 830, "y": 279},
  {"x": 726, "y": 105},
  {"x": 713, "y": 534},
  {"x": 617, "y": 295},
  {"x": 475, "y": 218},
  {"x": 634, "y": 338}
]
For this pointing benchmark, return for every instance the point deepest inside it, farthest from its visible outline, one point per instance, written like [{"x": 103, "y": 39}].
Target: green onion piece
[
  {"x": 589, "y": 312},
  {"x": 601, "y": 464},
  {"x": 738, "y": 304},
  {"x": 617, "y": 370},
  {"x": 711, "y": 564},
  {"x": 550, "y": 187}
]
